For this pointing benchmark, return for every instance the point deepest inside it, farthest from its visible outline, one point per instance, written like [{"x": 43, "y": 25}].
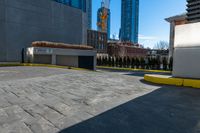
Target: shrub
[
  {"x": 124, "y": 62},
  {"x": 164, "y": 62},
  {"x": 120, "y": 62},
  {"x": 113, "y": 61},
  {"x": 109, "y": 61},
  {"x": 60, "y": 45},
  {"x": 142, "y": 63},
  {"x": 158, "y": 63},
  {"x": 128, "y": 62},
  {"x": 133, "y": 63},
  {"x": 171, "y": 64},
  {"x": 137, "y": 62}
]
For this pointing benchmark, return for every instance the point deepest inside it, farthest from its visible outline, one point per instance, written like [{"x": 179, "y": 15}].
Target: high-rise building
[
  {"x": 89, "y": 13},
  {"x": 80, "y": 4},
  {"x": 45, "y": 20},
  {"x": 193, "y": 9},
  {"x": 85, "y": 5},
  {"x": 129, "y": 20},
  {"x": 103, "y": 18},
  {"x": 97, "y": 40}
]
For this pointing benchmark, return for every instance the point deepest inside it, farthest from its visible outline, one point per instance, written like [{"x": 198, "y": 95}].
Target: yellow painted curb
[
  {"x": 158, "y": 79},
  {"x": 132, "y": 69},
  {"x": 42, "y": 65},
  {"x": 161, "y": 79},
  {"x": 191, "y": 83}
]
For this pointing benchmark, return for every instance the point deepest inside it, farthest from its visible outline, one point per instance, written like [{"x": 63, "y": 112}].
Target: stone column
[{"x": 171, "y": 42}]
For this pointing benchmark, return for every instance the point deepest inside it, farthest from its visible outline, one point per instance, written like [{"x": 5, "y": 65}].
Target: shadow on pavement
[
  {"x": 141, "y": 74},
  {"x": 165, "y": 110},
  {"x": 154, "y": 84},
  {"x": 133, "y": 73}
]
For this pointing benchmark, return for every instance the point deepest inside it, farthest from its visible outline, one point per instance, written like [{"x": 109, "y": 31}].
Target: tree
[
  {"x": 158, "y": 63},
  {"x": 125, "y": 62},
  {"x": 137, "y": 62},
  {"x": 117, "y": 62},
  {"x": 98, "y": 61},
  {"x": 105, "y": 61},
  {"x": 120, "y": 62},
  {"x": 142, "y": 63},
  {"x": 109, "y": 61},
  {"x": 133, "y": 63},
  {"x": 128, "y": 62},
  {"x": 113, "y": 61},
  {"x": 162, "y": 45},
  {"x": 164, "y": 62},
  {"x": 149, "y": 65},
  {"x": 171, "y": 63}
]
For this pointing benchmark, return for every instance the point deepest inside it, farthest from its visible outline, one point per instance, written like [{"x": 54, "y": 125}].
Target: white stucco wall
[
  {"x": 187, "y": 51},
  {"x": 187, "y": 35}
]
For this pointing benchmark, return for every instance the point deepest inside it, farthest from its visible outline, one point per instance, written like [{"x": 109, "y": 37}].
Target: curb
[
  {"x": 132, "y": 69},
  {"x": 191, "y": 83},
  {"x": 40, "y": 65},
  {"x": 166, "y": 80}
]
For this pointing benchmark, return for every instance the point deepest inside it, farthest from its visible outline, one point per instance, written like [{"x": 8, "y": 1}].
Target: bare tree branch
[{"x": 162, "y": 45}]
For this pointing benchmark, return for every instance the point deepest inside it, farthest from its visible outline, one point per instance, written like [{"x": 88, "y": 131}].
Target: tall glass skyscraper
[
  {"x": 89, "y": 13},
  {"x": 129, "y": 21}
]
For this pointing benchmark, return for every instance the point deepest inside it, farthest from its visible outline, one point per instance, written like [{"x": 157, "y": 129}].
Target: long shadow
[
  {"x": 166, "y": 110},
  {"x": 141, "y": 73},
  {"x": 113, "y": 70},
  {"x": 132, "y": 72}
]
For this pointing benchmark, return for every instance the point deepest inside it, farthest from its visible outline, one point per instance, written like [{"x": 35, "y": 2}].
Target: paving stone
[
  {"x": 41, "y": 125},
  {"x": 16, "y": 127},
  {"x": 47, "y": 100}
]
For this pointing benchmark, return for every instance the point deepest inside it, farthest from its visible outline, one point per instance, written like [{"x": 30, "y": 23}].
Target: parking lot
[{"x": 50, "y": 100}]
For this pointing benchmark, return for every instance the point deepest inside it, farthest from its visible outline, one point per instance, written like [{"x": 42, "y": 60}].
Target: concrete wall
[
  {"x": 187, "y": 51},
  {"x": 67, "y": 60},
  {"x": 24, "y": 21},
  {"x": 2, "y": 31},
  {"x": 42, "y": 59},
  {"x": 187, "y": 62}
]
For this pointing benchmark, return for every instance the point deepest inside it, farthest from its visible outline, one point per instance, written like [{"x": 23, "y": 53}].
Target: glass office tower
[
  {"x": 129, "y": 21},
  {"x": 89, "y": 13}
]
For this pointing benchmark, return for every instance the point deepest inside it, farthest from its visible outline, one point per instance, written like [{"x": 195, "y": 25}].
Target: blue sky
[{"x": 152, "y": 26}]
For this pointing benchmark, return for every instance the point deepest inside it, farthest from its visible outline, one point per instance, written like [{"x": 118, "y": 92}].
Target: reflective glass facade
[
  {"x": 129, "y": 20},
  {"x": 89, "y": 13},
  {"x": 80, "y": 4}
]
